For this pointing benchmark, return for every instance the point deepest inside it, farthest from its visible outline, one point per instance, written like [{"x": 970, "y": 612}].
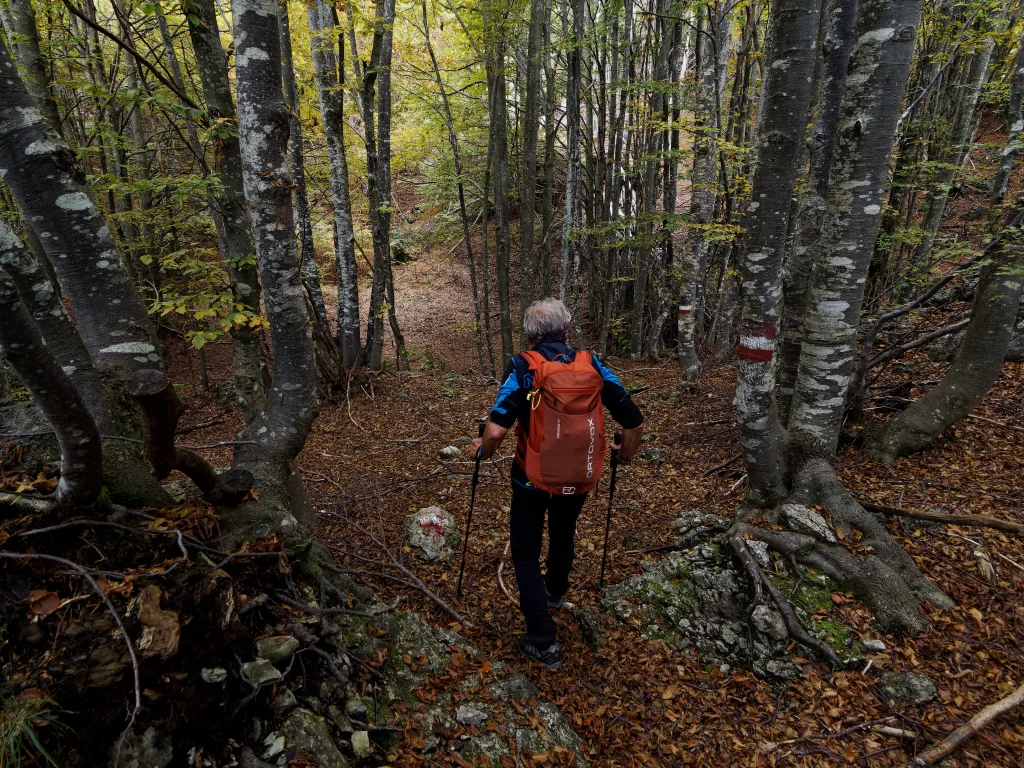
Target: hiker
[{"x": 553, "y": 472}]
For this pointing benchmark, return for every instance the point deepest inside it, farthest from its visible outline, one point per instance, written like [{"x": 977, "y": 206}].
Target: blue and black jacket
[{"x": 517, "y": 381}]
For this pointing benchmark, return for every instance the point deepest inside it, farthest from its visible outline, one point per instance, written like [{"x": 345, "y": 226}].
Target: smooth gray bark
[
  {"x": 996, "y": 303},
  {"x": 886, "y": 32},
  {"x": 572, "y": 235},
  {"x": 240, "y": 258},
  {"x": 1015, "y": 117},
  {"x": 329, "y": 70},
  {"x": 960, "y": 135},
  {"x": 41, "y": 172},
  {"x": 310, "y": 273},
  {"x": 281, "y": 427},
  {"x": 528, "y": 180},
  {"x": 806, "y": 243},
  {"x": 787, "y": 92},
  {"x": 23, "y": 347},
  {"x": 24, "y": 34}
]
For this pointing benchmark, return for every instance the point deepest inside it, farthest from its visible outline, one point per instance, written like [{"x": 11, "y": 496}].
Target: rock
[
  {"x": 464, "y": 440},
  {"x": 652, "y": 455},
  {"x": 805, "y": 520},
  {"x": 874, "y": 645},
  {"x": 340, "y": 719},
  {"x": 910, "y": 687},
  {"x": 274, "y": 744},
  {"x": 433, "y": 532},
  {"x": 361, "y": 744},
  {"x": 356, "y": 707},
  {"x": 450, "y": 453},
  {"x": 760, "y": 552},
  {"x": 472, "y": 715},
  {"x": 213, "y": 674},
  {"x": 304, "y": 730},
  {"x": 260, "y": 672},
  {"x": 284, "y": 702},
  {"x": 514, "y": 687},
  {"x": 784, "y": 670},
  {"x": 276, "y": 648},
  {"x": 769, "y": 622},
  {"x": 151, "y": 750},
  {"x": 725, "y": 669}
]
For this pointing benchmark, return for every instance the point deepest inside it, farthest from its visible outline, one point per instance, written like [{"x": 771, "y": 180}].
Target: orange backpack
[{"x": 565, "y": 447}]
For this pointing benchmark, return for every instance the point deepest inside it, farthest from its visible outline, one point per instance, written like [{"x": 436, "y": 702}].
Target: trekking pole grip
[{"x": 617, "y": 440}]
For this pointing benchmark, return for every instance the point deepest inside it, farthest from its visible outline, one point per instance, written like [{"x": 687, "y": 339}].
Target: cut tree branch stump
[
  {"x": 983, "y": 521},
  {"x": 969, "y": 730},
  {"x": 161, "y": 410}
]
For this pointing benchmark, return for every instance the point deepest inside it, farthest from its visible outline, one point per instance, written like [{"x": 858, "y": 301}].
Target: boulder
[
  {"x": 276, "y": 648},
  {"x": 304, "y": 730},
  {"x": 434, "y": 533},
  {"x": 908, "y": 687}
]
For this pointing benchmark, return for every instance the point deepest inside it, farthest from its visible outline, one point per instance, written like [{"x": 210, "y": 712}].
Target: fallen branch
[
  {"x": 976, "y": 417},
  {"x": 983, "y": 521},
  {"x": 969, "y": 730},
  {"x": 723, "y": 465},
  {"x": 501, "y": 578}
]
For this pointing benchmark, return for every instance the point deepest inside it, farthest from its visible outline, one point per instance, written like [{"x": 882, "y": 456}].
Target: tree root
[{"x": 761, "y": 581}]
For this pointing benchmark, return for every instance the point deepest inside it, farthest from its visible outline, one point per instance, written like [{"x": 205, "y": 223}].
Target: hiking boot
[
  {"x": 554, "y": 601},
  {"x": 551, "y": 657}
]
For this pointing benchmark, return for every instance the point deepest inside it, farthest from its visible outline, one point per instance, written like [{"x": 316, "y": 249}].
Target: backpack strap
[
  {"x": 534, "y": 360},
  {"x": 583, "y": 359}
]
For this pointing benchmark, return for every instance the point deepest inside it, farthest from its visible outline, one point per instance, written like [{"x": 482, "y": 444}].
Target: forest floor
[{"x": 373, "y": 454}]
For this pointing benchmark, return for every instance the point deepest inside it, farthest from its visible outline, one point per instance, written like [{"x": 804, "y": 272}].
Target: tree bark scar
[{"x": 757, "y": 342}]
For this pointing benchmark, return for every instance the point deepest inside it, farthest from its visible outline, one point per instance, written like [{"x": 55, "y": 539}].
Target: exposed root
[
  {"x": 982, "y": 521},
  {"x": 761, "y": 582}
]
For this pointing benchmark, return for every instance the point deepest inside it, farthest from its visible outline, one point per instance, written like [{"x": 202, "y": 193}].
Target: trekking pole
[
  {"x": 469, "y": 517},
  {"x": 611, "y": 495}
]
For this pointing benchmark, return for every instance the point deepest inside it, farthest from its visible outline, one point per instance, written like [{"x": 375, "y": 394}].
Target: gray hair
[{"x": 546, "y": 317}]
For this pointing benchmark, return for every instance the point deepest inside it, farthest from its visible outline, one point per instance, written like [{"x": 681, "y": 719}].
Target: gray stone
[
  {"x": 472, "y": 715},
  {"x": 909, "y": 687},
  {"x": 805, "y": 520},
  {"x": 361, "y": 744},
  {"x": 434, "y": 533},
  {"x": 652, "y": 454},
  {"x": 304, "y": 730},
  {"x": 760, "y": 552},
  {"x": 450, "y": 453},
  {"x": 769, "y": 622},
  {"x": 274, "y": 744},
  {"x": 514, "y": 687},
  {"x": 784, "y": 670},
  {"x": 151, "y": 750},
  {"x": 340, "y": 719},
  {"x": 277, "y": 648},
  {"x": 874, "y": 645},
  {"x": 464, "y": 440},
  {"x": 356, "y": 707},
  {"x": 213, "y": 675},
  {"x": 260, "y": 672},
  {"x": 284, "y": 702}
]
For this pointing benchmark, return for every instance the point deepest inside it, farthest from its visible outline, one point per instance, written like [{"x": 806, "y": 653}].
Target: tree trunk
[
  {"x": 329, "y": 77},
  {"x": 22, "y": 18},
  {"x": 786, "y": 93},
  {"x": 1015, "y": 116},
  {"x": 310, "y": 273},
  {"x": 867, "y": 125},
  {"x": 804, "y": 252},
  {"x": 550, "y": 135},
  {"x": 960, "y": 137},
  {"x": 23, "y": 347},
  {"x": 44, "y": 178},
  {"x": 997, "y": 300},
  {"x": 528, "y": 193},
  {"x": 457, "y": 160},
  {"x": 279, "y": 430},
  {"x": 495, "y": 21},
  {"x": 240, "y": 258},
  {"x": 572, "y": 224}
]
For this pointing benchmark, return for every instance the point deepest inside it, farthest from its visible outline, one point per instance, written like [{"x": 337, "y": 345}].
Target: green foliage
[{"x": 21, "y": 718}]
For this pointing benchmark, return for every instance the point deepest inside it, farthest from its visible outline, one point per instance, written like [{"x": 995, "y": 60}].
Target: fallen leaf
[{"x": 43, "y": 602}]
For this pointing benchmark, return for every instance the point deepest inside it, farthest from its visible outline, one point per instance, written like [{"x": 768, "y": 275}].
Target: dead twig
[
  {"x": 983, "y": 521},
  {"x": 968, "y": 730},
  {"x": 723, "y": 465},
  {"x": 501, "y": 578}
]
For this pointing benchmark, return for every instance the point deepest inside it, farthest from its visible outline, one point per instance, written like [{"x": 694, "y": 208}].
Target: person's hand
[{"x": 475, "y": 446}]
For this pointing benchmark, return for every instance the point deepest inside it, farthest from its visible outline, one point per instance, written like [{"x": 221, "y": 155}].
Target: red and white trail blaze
[
  {"x": 685, "y": 309},
  {"x": 757, "y": 343}
]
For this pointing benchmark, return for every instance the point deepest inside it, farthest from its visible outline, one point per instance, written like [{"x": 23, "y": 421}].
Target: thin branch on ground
[{"x": 983, "y": 521}]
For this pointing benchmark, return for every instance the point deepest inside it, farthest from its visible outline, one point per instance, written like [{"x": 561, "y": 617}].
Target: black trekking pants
[{"x": 527, "y": 531}]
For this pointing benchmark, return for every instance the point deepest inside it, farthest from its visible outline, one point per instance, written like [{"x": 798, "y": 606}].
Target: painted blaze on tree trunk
[
  {"x": 787, "y": 477},
  {"x": 280, "y": 429}
]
